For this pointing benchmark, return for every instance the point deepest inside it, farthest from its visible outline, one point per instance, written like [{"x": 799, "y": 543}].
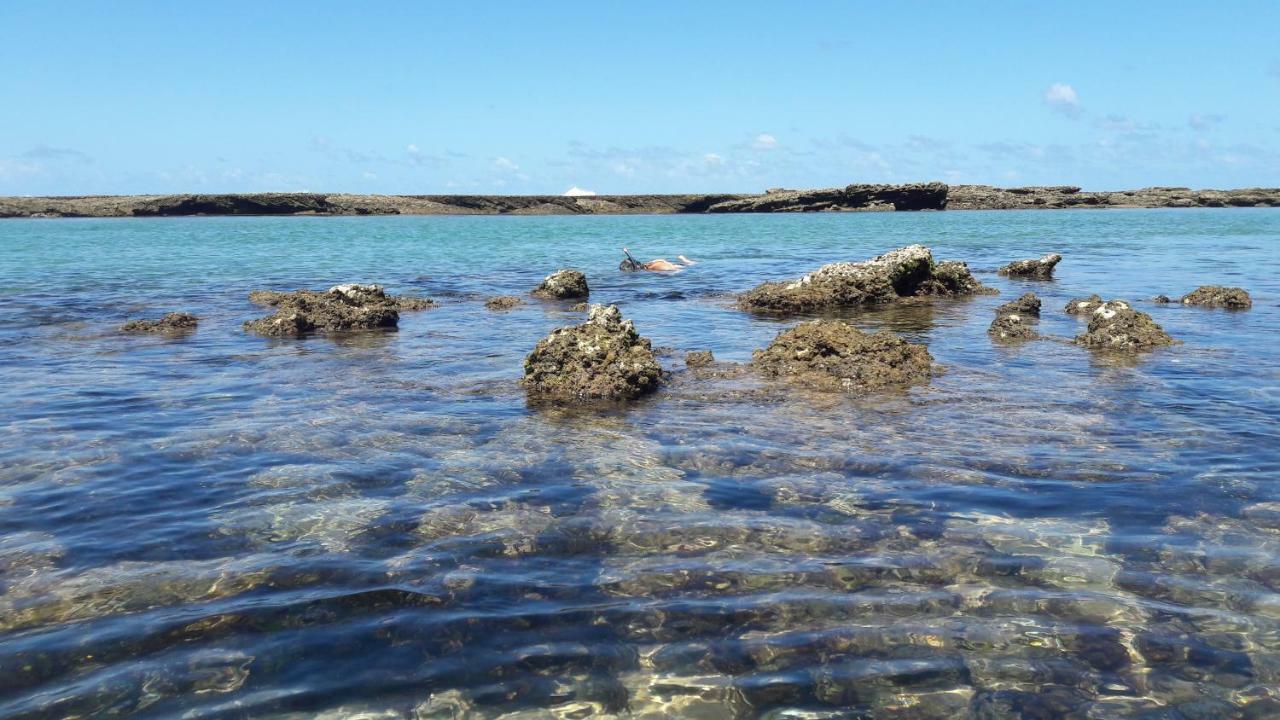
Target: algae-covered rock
[
  {"x": 601, "y": 359},
  {"x": 563, "y": 285},
  {"x": 1028, "y": 304},
  {"x": 1041, "y": 269},
  {"x": 341, "y": 308},
  {"x": 698, "y": 358},
  {"x": 1232, "y": 298},
  {"x": 1116, "y": 326},
  {"x": 833, "y": 355},
  {"x": 174, "y": 323},
  {"x": 1162, "y": 300},
  {"x": 905, "y": 272},
  {"x": 1012, "y": 326},
  {"x": 1083, "y": 306},
  {"x": 502, "y": 302}
]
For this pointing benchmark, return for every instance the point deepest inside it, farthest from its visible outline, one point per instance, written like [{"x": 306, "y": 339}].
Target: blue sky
[{"x": 521, "y": 97}]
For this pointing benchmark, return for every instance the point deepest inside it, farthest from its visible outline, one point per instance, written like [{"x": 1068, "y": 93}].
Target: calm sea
[{"x": 378, "y": 526}]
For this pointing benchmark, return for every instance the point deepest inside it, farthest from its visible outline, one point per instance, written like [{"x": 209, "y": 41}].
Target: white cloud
[
  {"x": 1204, "y": 122},
  {"x": 413, "y": 149},
  {"x": 712, "y": 159},
  {"x": 1063, "y": 98},
  {"x": 765, "y": 141},
  {"x": 576, "y": 191},
  {"x": 503, "y": 163}
]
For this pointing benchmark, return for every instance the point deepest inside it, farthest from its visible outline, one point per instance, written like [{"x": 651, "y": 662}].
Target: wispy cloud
[
  {"x": 764, "y": 141},
  {"x": 1064, "y": 99},
  {"x": 46, "y": 152},
  {"x": 1201, "y": 123}
]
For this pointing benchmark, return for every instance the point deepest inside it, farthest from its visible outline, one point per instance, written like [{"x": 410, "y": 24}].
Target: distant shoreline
[{"x": 852, "y": 198}]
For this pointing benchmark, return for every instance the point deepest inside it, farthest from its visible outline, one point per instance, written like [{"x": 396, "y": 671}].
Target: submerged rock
[
  {"x": 1042, "y": 268},
  {"x": 833, "y": 355},
  {"x": 1232, "y": 298},
  {"x": 341, "y": 308},
  {"x": 1083, "y": 306},
  {"x": 502, "y": 302},
  {"x": 172, "y": 323},
  {"x": 906, "y": 272},
  {"x": 563, "y": 285},
  {"x": 1116, "y": 326},
  {"x": 1012, "y": 326},
  {"x": 698, "y": 358},
  {"x": 601, "y": 359},
  {"x": 1028, "y": 304},
  {"x": 1161, "y": 300}
]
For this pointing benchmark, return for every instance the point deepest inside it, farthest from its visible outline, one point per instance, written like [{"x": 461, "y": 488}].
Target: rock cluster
[
  {"x": 987, "y": 197},
  {"x": 563, "y": 285},
  {"x": 502, "y": 302},
  {"x": 1116, "y": 326},
  {"x": 1232, "y": 298},
  {"x": 601, "y": 359},
  {"x": 901, "y": 273},
  {"x": 1083, "y": 306},
  {"x": 698, "y": 358},
  {"x": 1014, "y": 319},
  {"x": 341, "y": 308},
  {"x": 1041, "y": 269},
  {"x": 172, "y": 323},
  {"x": 857, "y": 197},
  {"x": 833, "y": 355}
]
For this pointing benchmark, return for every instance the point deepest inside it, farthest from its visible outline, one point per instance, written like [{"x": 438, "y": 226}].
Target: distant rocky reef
[{"x": 851, "y": 198}]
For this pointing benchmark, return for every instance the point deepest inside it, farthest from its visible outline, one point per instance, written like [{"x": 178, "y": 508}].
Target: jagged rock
[
  {"x": 580, "y": 307},
  {"x": 172, "y": 323},
  {"x": 1040, "y": 269},
  {"x": 1012, "y": 326},
  {"x": 341, "y": 308},
  {"x": 601, "y": 359},
  {"x": 502, "y": 302},
  {"x": 915, "y": 196},
  {"x": 1028, "y": 304},
  {"x": 833, "y": 355},
  {"x": 1083, "y": 306},
  {"x": 563, "y": 285},
  {"x": 1116, "y": 326},
  {"x": 906, "y": 272},
  {"x": 698, "y": 358},
  {"x": 1161, "y": 300},
  {"x": 1232, "y": 298}
]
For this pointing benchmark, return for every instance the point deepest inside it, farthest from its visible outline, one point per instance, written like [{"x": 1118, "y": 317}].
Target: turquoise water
[{"x": 377, "y": 525}]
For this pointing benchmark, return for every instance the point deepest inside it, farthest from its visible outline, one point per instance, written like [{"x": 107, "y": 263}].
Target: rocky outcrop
[
  {"x": 916, "y": 196},
  {"x": 1083, "y": 306},
  {"x": 502, "y": 302},
  {"x": 1116, "y": 326},
  {"x": 1012, "y": 326},
  {"x": 1217, "y": 296},
  {"x": 906, "y": 272},
  {"x": 601, "y": 359},
  {"x": 698, "y": 358},
  {"x": 833, "y": 355},
  {"x": 341, "y": 308},
  {"x": 986, "y": 197},
  {"x": 174, "y": 323},
  {"x": 563, "y": 285},
  {"x": 1041, "y": 269},
  {"x": 1027, "y": 304}
]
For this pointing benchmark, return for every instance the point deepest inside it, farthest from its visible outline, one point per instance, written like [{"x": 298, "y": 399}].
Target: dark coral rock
[
  {"x": 1028, "y": 304},
  {"x": 563, "y": 285},
  {"x": 698, "y": 358},
  {"x": 1012, "y": 326},
  {"x": 1162, "y": 299},
  {"x": 1116, "y": 326},
  {"x": 1232, "y": 298},
  {"x": 1083, "y": 306},
  {"x": 601, "y": 359},
  {"x": 502, "y": 302},
  {"x": 832, "y": 355},
  {"x": 1041, "y": 269},
  {"x": 342, "y": 308},
  {"x": 174, "y": 323}
]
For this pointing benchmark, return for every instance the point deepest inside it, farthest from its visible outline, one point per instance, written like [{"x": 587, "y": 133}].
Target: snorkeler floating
[{"x": 630, "y": 264}]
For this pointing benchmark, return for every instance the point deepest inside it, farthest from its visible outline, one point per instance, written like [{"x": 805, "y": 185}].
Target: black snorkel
[{"x": 630, "y": 264}]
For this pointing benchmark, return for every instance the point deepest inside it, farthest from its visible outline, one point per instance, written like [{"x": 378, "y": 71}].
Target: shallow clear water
[{"x": 378, "y": 525}]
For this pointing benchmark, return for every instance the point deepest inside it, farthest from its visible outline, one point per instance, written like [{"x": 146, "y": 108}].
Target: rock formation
[
  {"x": 1041, "y": 269},
  {"x": 601, "y": 359},
  {"x": 173, "y": 323},
  {"x": 1027, "y": 304},
  {"x": 906, "y": 272},
  {"x": 563, "y": 285},
  {"x": 1116, "y": 326},
  {"x": 1014, "y": 319},
  {"x": 1232, "y": 298},
  {"x": 502, "y": 302},
  {"x": 1083, "y": 306},
  {"x": 698, "y": 358},
  {"x": 341, "y": 308},
  {"x": 986, "y": 197},
  {"x": 916, "y": 196},
  {"x": 833, "y": 355}
]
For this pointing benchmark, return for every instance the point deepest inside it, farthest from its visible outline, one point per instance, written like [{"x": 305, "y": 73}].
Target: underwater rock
[
  {"x": 1083, "y": 306},
  {"x": 1041, "y": 269},
  {"x": 172, "y": 323},
  {"x": 1028, "y": 304},
  {"x": 901, "y": 273},
  {"x": 341, "y": 308},
  {"x": 1012, "y": 326},
  {"x": 1161, "y": 300},
  {"x": 698, "y": 358},
  {"x": 833, "y": 355},
  {"x": 502, "y": 302},
  {"x": 601, "y": 359},
  {"x": 1116, "y": 326},
  {"x": 1232, "y": 298},
  {"x": 580, "y": 307},
  {"x": 563, "y": 285}
]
